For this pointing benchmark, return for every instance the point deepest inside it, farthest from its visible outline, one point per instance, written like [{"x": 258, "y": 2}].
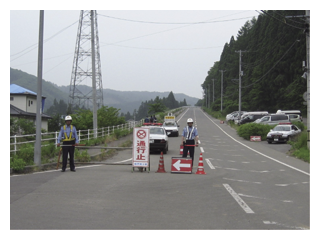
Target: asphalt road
[{"x": 247, "y": 186}]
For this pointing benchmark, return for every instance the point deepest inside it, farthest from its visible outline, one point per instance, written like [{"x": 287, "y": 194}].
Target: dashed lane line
[{"x": 238, "y": 199}]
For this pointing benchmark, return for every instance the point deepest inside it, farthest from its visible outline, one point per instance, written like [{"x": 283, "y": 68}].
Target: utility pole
[
  {"x": 94, "y": 91},
  {"x": 308, "y": 74},
  {"x": 221, "y": 71},
  {"x": 37, "y": 146},
  {"x": 213, "y": 90},
  {"x": 208, "y": 95},
  {"x": 307, "y": 67},
  {"x": 240, "y": 74}
]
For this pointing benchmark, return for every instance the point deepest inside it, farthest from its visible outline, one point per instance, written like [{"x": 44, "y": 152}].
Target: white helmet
[
  {"x": 68, "y": 118},
  {"x": 189, "y": 120}
]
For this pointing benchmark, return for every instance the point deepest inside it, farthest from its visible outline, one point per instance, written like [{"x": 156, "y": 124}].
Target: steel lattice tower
[{"x": 82, "y": 69}]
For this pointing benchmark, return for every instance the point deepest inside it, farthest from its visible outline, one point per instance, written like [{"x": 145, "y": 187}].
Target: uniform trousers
[
  {"x": 68, "y": 149},
  {"x": 188, "y": 148}
]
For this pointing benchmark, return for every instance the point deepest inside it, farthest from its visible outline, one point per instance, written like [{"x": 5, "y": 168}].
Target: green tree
[
  {"x": 109, "y": 116},
  {"x": 82, "y": 119},
  {"x": 55, "y": 123},
  {"x": 22, "y": 126},
  {"x": 156, "y": 107}
]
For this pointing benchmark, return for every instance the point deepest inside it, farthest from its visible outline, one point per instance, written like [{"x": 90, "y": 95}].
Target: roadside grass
[
  {"x": 299, "y": 147},
  {"x": 49, "y": 154}
]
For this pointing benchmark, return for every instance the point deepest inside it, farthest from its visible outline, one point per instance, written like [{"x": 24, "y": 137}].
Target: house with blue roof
[{"x": 23, "y": 104}]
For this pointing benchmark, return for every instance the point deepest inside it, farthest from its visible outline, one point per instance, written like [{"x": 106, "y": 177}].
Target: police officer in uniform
[
  {"x": 189, "y": 137},
  {"x": 69, "y": 137}
]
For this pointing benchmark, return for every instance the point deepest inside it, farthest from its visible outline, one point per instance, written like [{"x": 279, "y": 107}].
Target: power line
[
  {"x": 272, "y": 66},
  {"x": 172, "y": 23},
  {"x": 280, "y": 20},
  {"x": 34, "y": 46},
  {"x": 163, "y": 49}
]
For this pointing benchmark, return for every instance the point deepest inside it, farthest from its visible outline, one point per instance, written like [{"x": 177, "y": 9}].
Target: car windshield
[
  {"x": 282, "y": 128},
  {"x": 169, "y": 124},
  {"x": 158, "y": 131}
]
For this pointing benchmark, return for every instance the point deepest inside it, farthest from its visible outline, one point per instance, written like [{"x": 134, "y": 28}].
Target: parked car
[
  {"x": 295, "y": 115},
  {"x": 282, "y": 133},
  {"x": 274, "y": 119},
  {"x": 233, "y": 115},
  {"x": 159, "y": 139},
  {"x": 250, "y": 118},
  {"x": 237, "y": 121}
]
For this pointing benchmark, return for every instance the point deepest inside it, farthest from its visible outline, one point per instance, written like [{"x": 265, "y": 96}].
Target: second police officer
[{"x": 189, "y": 139}]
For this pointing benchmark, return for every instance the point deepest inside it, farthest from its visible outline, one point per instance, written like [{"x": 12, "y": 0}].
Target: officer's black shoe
[
  {"x": 63, "y": 170},
  {"x": 73, "y": 170}
]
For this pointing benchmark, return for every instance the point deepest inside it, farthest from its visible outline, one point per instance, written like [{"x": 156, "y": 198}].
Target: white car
[
  {"x": 171, "y": 127},
  {"x": 234, "y": 115},
  {"x": 282, "y": 133},
  {"x": 158, "y": 139}
]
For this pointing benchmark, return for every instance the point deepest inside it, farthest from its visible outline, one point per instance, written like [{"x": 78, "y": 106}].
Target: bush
[
  {"x": 82, "y": 156},
  {"x": 17, "y": 164},
  {"x": 48, "y": 151},
  {"x": 26, "y": 153},
  {"x": 300, "y": 147},
  {"x": 120, "y": 133},
  {"x": 254, "y": 129}
]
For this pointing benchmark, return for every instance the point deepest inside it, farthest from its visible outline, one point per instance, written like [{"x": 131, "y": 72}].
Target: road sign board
[
  {"x": 140, "y": 150},
  {"x": 255, "y": 138},
  {"x": 181, "y": 165}
]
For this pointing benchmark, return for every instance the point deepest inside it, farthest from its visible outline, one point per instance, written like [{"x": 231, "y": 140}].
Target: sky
[{"x": 140, "y": 50}]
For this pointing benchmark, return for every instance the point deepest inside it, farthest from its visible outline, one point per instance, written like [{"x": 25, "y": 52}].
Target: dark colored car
[{"x": 250, "y": 118}]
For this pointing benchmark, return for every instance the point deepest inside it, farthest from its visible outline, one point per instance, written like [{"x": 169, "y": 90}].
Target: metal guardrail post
[{"x": 15, "y": 144}]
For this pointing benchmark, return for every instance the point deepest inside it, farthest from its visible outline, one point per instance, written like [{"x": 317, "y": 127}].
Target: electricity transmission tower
[{"x": 86, "y": 64}]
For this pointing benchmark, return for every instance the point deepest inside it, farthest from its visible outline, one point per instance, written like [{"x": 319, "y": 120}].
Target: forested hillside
[
  {"x": 273, "y": 50},
  {"x": 126, "y": 101}
]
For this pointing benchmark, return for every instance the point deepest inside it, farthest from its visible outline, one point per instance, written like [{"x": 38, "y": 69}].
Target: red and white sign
[
  {"x": 140, "y": 150},
  {"x": 255, "y": 138},
  {"x": 181, "y": 165}
]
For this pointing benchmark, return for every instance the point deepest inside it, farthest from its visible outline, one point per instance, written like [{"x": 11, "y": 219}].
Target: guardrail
[{"x": 51, "y": 137}]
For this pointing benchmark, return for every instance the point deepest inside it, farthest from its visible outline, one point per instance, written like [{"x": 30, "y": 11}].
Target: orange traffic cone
[
  {"x": 181, "y": 149},
  {"x": 161, "y": 164},
  {"x": 200, "y": 166}
]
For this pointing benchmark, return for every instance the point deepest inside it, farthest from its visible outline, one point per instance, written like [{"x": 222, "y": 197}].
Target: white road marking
[
  {"x": 201, "y": 148},
  {"x": 241, "y": 180},
  {"x": 242, "y": 204},
  {"x": 256, "y": 150},
  {"x": 127, "y": 160},
  {"x": 283, "y": 225},
  {"x": 209, "y": 163},
  {"x": 288, "y": 184},
  {"x": 60, "y": 169},
  {"x": 243, "y": 195}
]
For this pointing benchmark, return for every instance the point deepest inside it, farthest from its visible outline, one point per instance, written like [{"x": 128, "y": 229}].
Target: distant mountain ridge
[{"x": 127, "y": 101}]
